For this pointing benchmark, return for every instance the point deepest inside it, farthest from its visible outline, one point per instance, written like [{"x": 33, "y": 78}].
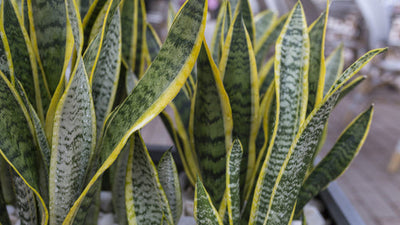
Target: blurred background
[{"x": 372, "y": 183}]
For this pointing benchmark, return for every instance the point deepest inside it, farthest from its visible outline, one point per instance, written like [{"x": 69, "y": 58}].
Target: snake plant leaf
[
  {"x": 233, "y": 161},
  {"x": 20, "y": 51},
  {"x": 291, "y": 67},
  {"x": 4, "y": 64},
  {"x": 239, "y": 73},
  {"x": 72, "y": 145},
  {"x": 152, "y": 41},
  {"x": 316, "y": 70},
  {"x": 264, "y": 21},
  {"x": 118, "y": 186},
  {"x": 211, "y": 125},
  {"x": 350, "y": 86},
  {"x": 233, "y": 4},
  {"x": 355, "y": 67},
  {"x": 145, "y": 199},
  {"x": 204, "y": 210},
  {"x": 105, "y": 67},
  {"x": 334, "y": 67},
  {"x": 84, "y": 6},
  {"x": 51, "y": 15},
  {"x": 222, "y": 25},
  {"x": 337, "y": 160},
  {"x": 171, "y": 15},
  {"x": 247, "y": 15},
  {"x": 168, "y": 176},
  {"x": 90, "y": 18},
  {"x": 5, "y": 184},
  {"x": 4, "y": 219},
  {"x": 17, "y": 145},
  {"x": 266, "y": 76},
  {"x": 262, "y": 47},
  {"x": 26, "y": 203},
  {"x": 158, "y": 86}
]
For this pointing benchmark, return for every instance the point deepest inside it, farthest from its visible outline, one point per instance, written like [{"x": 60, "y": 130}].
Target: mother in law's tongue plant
[
  {"x": 255, "y": 124},
  {"x": 60, "y": 132}
]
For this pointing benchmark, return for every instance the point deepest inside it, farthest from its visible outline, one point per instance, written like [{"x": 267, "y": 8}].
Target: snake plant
[
  {"x": 69, "y": 107},
  {"x": 274, "y": 108}
]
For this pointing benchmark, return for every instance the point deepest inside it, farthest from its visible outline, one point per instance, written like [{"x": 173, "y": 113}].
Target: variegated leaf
[
  {"x": 74, "y": 137},
  {"x": 337, "y": 160},
  {"x": 291, "y": 67},
  {"x": 211, "y": 125},
  {"x": 152, "y": 41},
  {"x": 247, "y": 15},
  {"x": 239, "y": 74},
  {"x": 4, "y": 64},
  {"x": 50, "y": 15},
  {"x": 145, "y": 199},
  {"x": 118, "y": 186},
  {"x": 262, "y": 47},
  {"x": 19, "y": 52},
  {"x": 204, "y": 210},
  {"x": 233, "y": 161},
  {"x": 169, "y": 180},
  {"x": 6, "y": 185},
  {"x": 316, "y": 70},
  {"x": 89, "y": 20},
  {"x": 25, "y": 202},
  {"x": 222, "y": 24},
  {"x": 84, "y": 6},
  {"x": 158, "y": 86},
  {"x": 334, "y": 67},
  {"x": 350, "y": 86},
  {"x": 264, "y": 21}
]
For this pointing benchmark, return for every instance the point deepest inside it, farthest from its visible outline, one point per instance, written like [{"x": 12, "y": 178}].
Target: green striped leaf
[
  {"x": 171, "y": 15},
  {"x": 217, "y": 38},
  {"x": 169, "y": 180},
  {"x": 233, "y": 160},
  {"x": 355, "y": 67},
  {"x": 90, "y": 19},
  {"x": 4, "y": 219},
  {"x": 51, "y": 50},
  {"x": 105, "y": 66},
  {"x": 25, "y": 202},
  {"x": 262, "y": 47},
  {"x": 158, "y": 86},
  {"x": 21, "y": 57},
  {"x": 239, "y": 74},
  {"x": 211, "y": 127},
  {"x": 72, "y": 145},
  {"x": 264, "y": 21},
  {"x": 334, "y": 67},
  {"x": 144, "y": 196},
  {"x": 5, "y": 184},
  {"x": 291, "y": 67},
  {"x": 204, "y": 211},
  {"x": 17, "y": 143},
  {"x": 337, "y": 160},
  {"x": 4, "y": 64},
  {"x": 118, "y": 186},
  {"x": 233, "y": 4},
  {"x": 316, "y": 70},
  {"x": 350, "y": 86},
  {"x": 84, "y": 6},
  {"x": 247, "y": 15},
  {"x": 153, "y": 42}
]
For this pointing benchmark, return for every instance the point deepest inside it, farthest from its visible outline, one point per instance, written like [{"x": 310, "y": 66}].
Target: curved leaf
[
  {"x": 169, "y": 180},
  {"x": 337, "y": 160},
  {"x": 204, "y": 211},
  {"x": 73, "y": 144},
  {"x": 233, "y": 160},
  {"x": 334, "y": 67},
  {"x": 239, "y": 73},
  {"x": 211, "y": 125},
  {"x": 145, "y": 199},
  {"x": 158, "y": 86},
  {"x": 153, "y": 42},
  {"x": 222, "y": 24},
  {"x": 291, "y": 67},
  {"x": 264, "y": 21},
  {"x": 25, "y": 202}
]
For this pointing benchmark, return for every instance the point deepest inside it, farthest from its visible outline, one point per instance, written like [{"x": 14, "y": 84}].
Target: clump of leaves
[
  {"x": 61, "y": 131},
  {"x": 277, "y": 106}
]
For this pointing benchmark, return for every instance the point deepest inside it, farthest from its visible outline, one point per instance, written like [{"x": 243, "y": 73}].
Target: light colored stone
[
  {"x": 187, "y": 220},
  {"x": 11, "y": 210},
  {"x": 105, "y": 201},
  {"x": 188, "y": 208}
]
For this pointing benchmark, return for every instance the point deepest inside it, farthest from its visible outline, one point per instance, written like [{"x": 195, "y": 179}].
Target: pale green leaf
[
  {"x": 204, "y": 211},
  {"x": 334, "y": 67},
  {"x": 25, "y": 202},
  {"x": 118, "y": 186},
  {"x": 264, "y": 21},
  {"x": 233, "y": 161}
]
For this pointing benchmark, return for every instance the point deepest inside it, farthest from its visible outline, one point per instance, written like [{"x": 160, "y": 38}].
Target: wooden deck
[{"x": 374, "y": 192}]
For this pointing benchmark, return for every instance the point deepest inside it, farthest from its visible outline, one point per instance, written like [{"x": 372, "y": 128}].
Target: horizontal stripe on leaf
[
  {"x": 208, "y": 129},
  {"x": 25, "y": 202},
  {"x": 159, "y": 85},
  {"x": 291, "y": 67},
  {"x": 204, "y": 210},
  {"x": 337, "y": 160},
  {"x": 233, "y": 161}
]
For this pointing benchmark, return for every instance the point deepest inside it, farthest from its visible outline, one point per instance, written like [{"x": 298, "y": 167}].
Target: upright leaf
[
  {"x": 239, "y": 74},
  {"x": 217, "y": 42},
  {"x": 204, "y": 211},
  {"x": 152, "y": 41},
  {"x": 291, "y": 67},
  {"x": 247, "y": 15},
  {"x": 337, "y": 160},
  {"x": 263, "y": 21},
  {"x": 51, "y": 49},
  {"x": 72, "y": 145},
  {"x": 233, "y": 160},
  {"x": 211, "y": 126},
  {"x": 334, "y": 67},
  {"x": 145, "y": 199},
  {"x": 158, "y": 86},
  {"x": 25, "y": 202},
  {"x": 169, "y": 180},
  {"x": 316, "y": 70}
]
